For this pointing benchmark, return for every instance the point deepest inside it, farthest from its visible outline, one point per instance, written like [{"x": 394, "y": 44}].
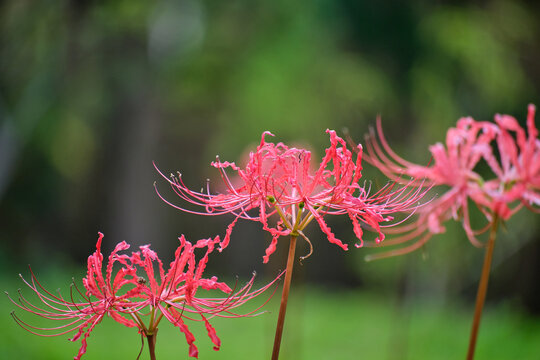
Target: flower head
[
  {"x": 284, "y": 182},
  {"x": 137, "y": 291},
  {"x": 515, "y": 171},
  {"x": 518, "y": 175}
]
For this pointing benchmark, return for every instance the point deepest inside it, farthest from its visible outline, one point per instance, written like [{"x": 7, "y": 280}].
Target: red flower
[
  {"x": 278, "y": 180},
  {"x": 130, "y": 298},
  {"x": 516, "y": 175}
]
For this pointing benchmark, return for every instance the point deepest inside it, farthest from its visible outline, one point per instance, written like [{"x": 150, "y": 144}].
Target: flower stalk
[
  {"x": 284, "y": 298},
  {"x": 152, "y": 344},
  {"x": 284, "y": 183},
  {"x": 511, "y": 153},
  {"x": 482, "y": 288}
]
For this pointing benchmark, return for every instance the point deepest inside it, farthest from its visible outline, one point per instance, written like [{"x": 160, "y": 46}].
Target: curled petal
[
  {"x": 270, "y": 249},
  {"x": 227, "y": 237}
]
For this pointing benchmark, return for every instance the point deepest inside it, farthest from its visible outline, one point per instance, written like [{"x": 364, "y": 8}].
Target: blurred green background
[{"x": 91, "y": 92}]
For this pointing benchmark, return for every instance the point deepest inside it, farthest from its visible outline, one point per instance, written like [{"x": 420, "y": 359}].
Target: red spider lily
[
  {"x": 128, "y": 298},
  {"x": 278, "y": 180},
  {"x": 516, "y": 175},
  {"x": 519, "y": 173}
]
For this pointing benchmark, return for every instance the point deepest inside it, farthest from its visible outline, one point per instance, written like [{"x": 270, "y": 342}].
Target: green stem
[
  {"x": 482, "y": 288},
  {"x": 282, "y": 216},
  {"x": 306, "y": 220},
  {"x": 298, "y": 215},
  {"x": 152, "y": 315},
  {"x": 284, "y": 298},
  {"x": 139, "y": 321}
]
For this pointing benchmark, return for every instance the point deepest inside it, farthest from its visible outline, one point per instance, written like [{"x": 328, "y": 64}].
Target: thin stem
[
  {"x": 297, "y": 219},
  {"x": 152, "y": 314},
  {"x": 482, "y": 288},
  {"x": 139, "y": 321},
  {"x": 284, "y": 298},
  {"x": 152, "y": 344},
  {"x": 282, "y": 216},
  {"x": 307, "y": 219}
]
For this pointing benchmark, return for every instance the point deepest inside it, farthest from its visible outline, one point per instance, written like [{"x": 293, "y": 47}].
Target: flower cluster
[
  {"x": 515, "y": 181},
  {"x": 282, "y": 181},
  {"x": 139, "y": 289}
]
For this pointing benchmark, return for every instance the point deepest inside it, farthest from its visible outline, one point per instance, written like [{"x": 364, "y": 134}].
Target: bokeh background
[{"x": 91, "y": 92}]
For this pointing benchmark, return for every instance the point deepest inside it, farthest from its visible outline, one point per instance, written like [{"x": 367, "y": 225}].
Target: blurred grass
[{"x": 321, "y": 324}]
